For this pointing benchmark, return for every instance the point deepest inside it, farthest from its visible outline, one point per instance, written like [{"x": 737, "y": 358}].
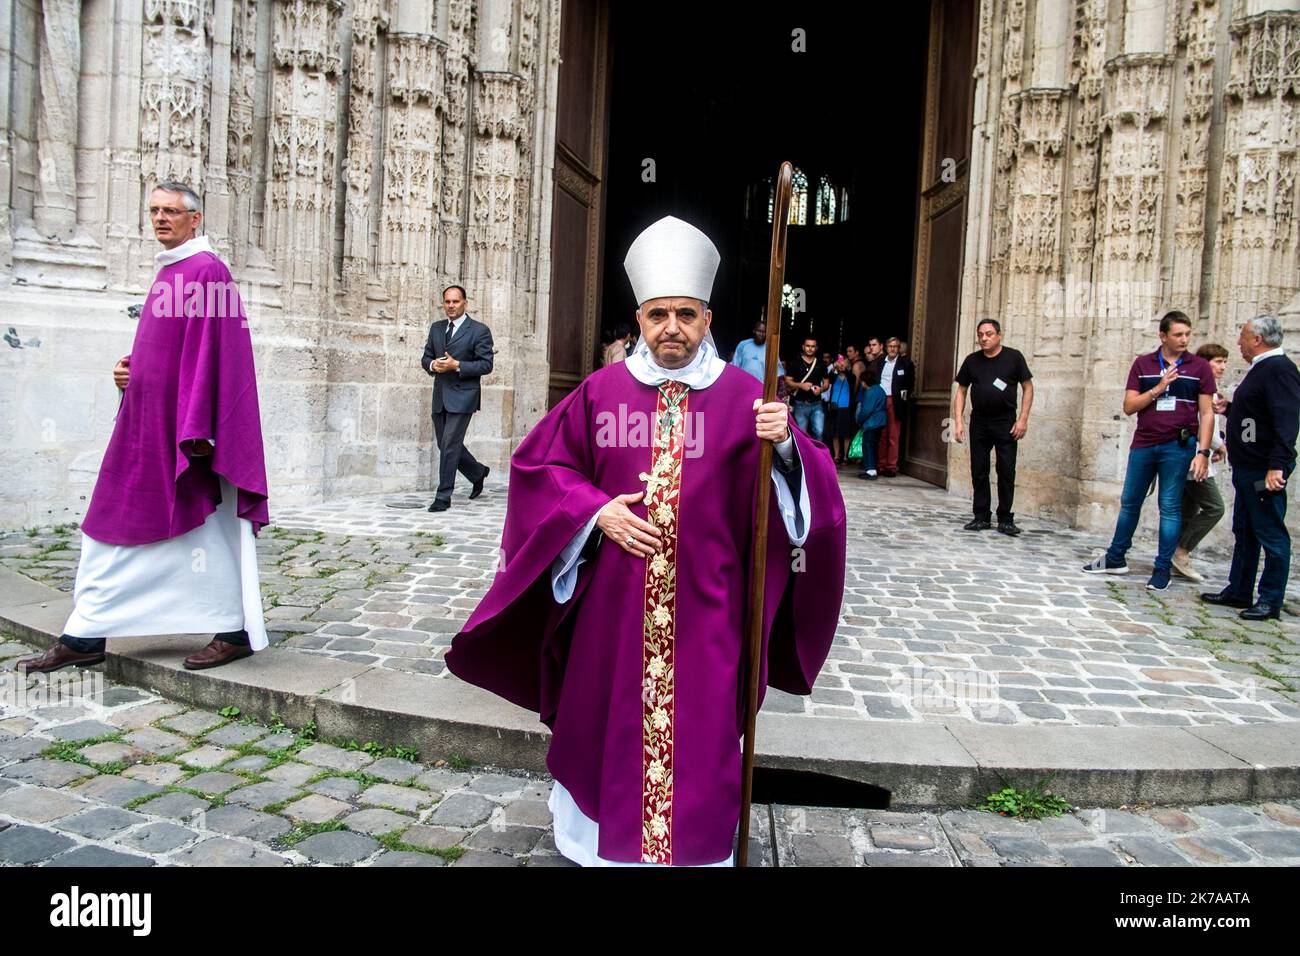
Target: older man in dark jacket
[
  {"x": 1263, "y": 419},
  {"x": 457, "y": 354}
]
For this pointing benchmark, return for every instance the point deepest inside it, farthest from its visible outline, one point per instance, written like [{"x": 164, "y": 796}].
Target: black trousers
[
  {"x": 453, "y": 456},
  {"x": 987, "y": 434}
]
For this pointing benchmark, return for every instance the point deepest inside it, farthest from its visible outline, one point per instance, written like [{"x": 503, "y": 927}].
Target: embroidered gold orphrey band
[{"x": 663, "y": 491}]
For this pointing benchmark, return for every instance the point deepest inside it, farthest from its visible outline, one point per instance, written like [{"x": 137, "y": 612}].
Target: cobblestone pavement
[
  {"x": 937, "y": 623},
  {"x": 109, "y": 775}
]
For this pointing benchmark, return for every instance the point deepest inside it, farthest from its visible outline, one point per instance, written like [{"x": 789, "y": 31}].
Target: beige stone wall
[
  {"x": 1130, "y": 156},
  {"x": 354, "y": 156}
]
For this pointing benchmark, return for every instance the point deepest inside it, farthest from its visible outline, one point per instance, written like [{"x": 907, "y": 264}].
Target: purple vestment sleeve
[
  {"x": 805, "y": 589},
  {"x": 218, "y": 400},
  {"x": 191, "y": 379},
  {"x": 503, "y": 646}
]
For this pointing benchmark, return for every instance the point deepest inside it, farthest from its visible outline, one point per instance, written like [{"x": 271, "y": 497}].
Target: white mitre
[{"x": 672, "y": 258}]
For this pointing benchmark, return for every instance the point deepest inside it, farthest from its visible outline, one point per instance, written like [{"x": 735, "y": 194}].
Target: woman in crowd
[
  {"x": 871, "y": 416},
  {"x": 1202, "y": 502},
  {"x": 839, "y": 413}
]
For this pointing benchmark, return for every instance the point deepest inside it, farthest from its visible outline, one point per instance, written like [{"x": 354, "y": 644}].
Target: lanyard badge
[{"x": 1167, "y": 402}]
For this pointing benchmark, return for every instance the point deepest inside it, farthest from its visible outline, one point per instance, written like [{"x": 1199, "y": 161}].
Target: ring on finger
[{"x": 628, "y": 541}]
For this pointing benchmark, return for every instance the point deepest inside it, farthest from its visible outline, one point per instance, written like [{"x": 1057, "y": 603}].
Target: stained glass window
[
  {"x": 799, "y": 201},
  {"x": 825, "y": 205}
]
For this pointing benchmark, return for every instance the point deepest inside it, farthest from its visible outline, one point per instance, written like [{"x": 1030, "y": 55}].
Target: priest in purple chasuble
[
  {"x": 620, "y": 608},
  {"x": 167, "y": 543}
]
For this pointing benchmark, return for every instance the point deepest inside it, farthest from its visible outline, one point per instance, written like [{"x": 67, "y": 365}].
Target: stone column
[
  {"x": 6, "y": 141},
  {"x": 1257, "y": 243},
  {"x": 128, "y": 261},
  {"x": 494, "y": 46},
  {"x": 363, "y": 168},
  {"x": 1198, "y": 35},
  {"x": 412, "y": 173},
  {"x": 239, "y": 127},
  {"x": 1250, "y": 8},
  {"x": 55, "y": 210},
  {"x": 1126, "y": 291},
  {"x": 216, "y": 192},
  {"x": 455, "y": 110},
  {"x": 177, "y": 71},
  {"x": 539, "y": 66},
  {"x": 500, "y": 179},
  {"x": 300, "y": 193},
  {"x": 1052, "y": 40},
  {"x": 95, "y": 117},
  {"x": 394, "y": 173},
  {"x": 1144, "y": 25},
  {"x": 1031, "y": 148},
  {"x": 1087, "y": 75}
]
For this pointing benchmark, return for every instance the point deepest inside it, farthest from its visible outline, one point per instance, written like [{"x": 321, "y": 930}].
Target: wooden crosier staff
[{"x": 775, "y": 277}]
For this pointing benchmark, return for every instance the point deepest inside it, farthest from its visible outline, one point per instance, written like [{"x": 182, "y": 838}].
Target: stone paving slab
[
  {"x": 115, "y": 790},
  {"x": 919, "y": 763},
  {"x": 39, "y": 805},
  {"x": 924, "y": 635},
  {"x": 316, "y": 808},
  {"x": 157, "y": 838},
  {"x": 484, "y": 816},
  {"x": 926, "y": 645}
]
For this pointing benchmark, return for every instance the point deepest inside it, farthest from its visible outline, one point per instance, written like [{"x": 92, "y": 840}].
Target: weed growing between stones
[{"x": 1033, "y": 803}]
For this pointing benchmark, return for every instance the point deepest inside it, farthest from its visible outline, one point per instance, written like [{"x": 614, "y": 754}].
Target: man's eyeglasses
[{"x": 171, "y": 212}]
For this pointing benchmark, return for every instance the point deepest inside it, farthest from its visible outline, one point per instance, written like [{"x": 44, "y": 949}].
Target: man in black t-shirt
[
  {"x": 992, "y": 374},
  {"x": 806, "y": 378}
]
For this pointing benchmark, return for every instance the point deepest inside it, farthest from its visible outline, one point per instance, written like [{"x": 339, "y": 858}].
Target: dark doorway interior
[{"x": 716, "y": 97}]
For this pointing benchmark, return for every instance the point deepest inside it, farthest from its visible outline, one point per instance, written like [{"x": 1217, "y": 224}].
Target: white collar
[
  {"x": 191, "y": 247},
  {"x": 701, "y": 372},
  {"x": 1269, "y": 354}
]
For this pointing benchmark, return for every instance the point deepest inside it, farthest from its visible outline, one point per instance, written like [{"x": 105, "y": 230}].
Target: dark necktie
[{"x": 451, "y": 327}]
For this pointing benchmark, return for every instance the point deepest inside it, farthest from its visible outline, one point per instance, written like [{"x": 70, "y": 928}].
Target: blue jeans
[
  {"x": 810, "y": 416},
  {"x": 870, "y": 449},
  {"x": 1170, "y": 462},
  {"x": 1258, "y": 520}
]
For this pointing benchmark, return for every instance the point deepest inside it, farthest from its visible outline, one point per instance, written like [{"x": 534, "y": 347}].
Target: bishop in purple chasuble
[{"x": 640, "y": 672}]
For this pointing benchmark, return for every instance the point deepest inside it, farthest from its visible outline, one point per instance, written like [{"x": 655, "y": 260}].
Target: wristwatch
[{"x": 1203, "y": 451}]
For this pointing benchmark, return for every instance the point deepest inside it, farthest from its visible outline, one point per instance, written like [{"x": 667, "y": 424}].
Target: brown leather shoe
[
  {"x": 218, "y": 652},
  {"x": 56, "y": 658}
]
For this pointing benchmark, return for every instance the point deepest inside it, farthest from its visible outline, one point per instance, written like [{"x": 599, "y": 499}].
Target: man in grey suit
[{"x": 457, "y": 354}]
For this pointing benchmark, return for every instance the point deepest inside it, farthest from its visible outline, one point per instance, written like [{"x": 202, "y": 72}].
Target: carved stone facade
[
  {"x": 355, "y": 156},
  {"x": 1157, "y": 170}
]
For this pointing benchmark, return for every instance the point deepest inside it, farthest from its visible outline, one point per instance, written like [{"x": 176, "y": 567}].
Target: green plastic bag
[{"x": 855, "y": 447}]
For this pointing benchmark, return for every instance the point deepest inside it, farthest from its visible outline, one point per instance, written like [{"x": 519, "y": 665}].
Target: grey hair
[
  {"x": 192, "y": 201},
  {"x": 1269, "y": 329}
]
